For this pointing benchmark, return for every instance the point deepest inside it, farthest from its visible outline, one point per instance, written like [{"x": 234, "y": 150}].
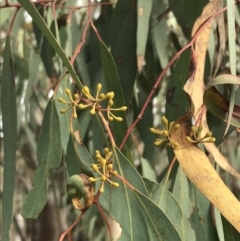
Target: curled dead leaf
[{"x": 81, "y": 191}]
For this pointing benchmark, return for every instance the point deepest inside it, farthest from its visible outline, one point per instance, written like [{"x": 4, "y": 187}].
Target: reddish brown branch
[{"x": 160, "y": 77}]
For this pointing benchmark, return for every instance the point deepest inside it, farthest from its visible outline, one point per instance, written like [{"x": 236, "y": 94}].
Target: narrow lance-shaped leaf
[
  {"x": 113, "y": 84},
  {"x": 9, "y": 119},
  {"x": 30, "y": 8},
  {"x": 143, "y": 16},
  {"x": 49, "y": 153}
]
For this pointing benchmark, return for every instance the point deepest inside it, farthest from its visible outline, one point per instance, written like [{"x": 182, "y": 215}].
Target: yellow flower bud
[
  {"x": 63, "y": 111},
  {"x": 114, "y": 173},
  {"x": 110, "y": 118},
  {"x": 110, "y": 103},
  {"x": 189, "y": 139},
  {"x": 94, "y": 167},
  {"x": 92, "y": 111},
  {"x": 104, "y": 178},
  {"x": 75, "y": 115},
  {"x": 200, "y": 128},
  {"x": 99, "y": 86},
  {"x": 85, "y": 90},
  {"x": 103, "y": 161},
  {"x": 208, "y": 134},
  {"x": 110, "y": 166},
  {"x": 106, "y": 150},
  {"x": 115, "y": 184},
  {"x": 110, "y": 95},
  {"x": 101, "y": 96},
  {"x": 68, "y": 92},
  {"x": 101, "y": 189},
  {"x": 165, "y": 133},
  {"x": 165, "y": 122},
  {"x": 174, "y": 144},
  {"x": 91, "y": 179},
  {"x": 98, "y": 156},
  {"x": 158, "y": 142},
  {"x": 83, "y": 106},
  {"x": 61, "y": 100},
  {"x": 176, "y": 127},
  {"x": 212, "y": 140},
  {"x": 193, "y": 129},
  {"x": 75, "y": 96},
  {"x": 123, "y": 108},
  {"x": 118, "y": 118}
]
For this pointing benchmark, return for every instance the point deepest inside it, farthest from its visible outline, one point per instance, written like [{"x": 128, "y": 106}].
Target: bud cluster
[
  {"x": 87, "y": 100},
  {"x": 104, "y": 168},
  {"x": 168, "y": 129},
  {"x": 196, "y": 136}
]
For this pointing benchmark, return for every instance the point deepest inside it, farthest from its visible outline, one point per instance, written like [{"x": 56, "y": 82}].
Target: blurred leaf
[
  {"x": 169, "y": 205},
  {"x": 217, "y": 104},
  {"x": 49, "y": 153},
  {"x": 143, "y": 18},
  {"x": 144, "y": 124},
  {"x": 64, "y": 119},
  {"x": 140, "y": 219},
  {"x": 147, "y": 170},
  {"x": 181, "y": 193},
  {"x": 78, "y": 159},
  {"x": 122, "y": 32},
  {"x": 233, "y": 58},
  {"x": 186, "y": 12},
  {"x": 230, "y": 233},
  {"x": 201, "y": 219},
  {"x": 221, "y": 43},
  {"x": 9, "y": 122},
  {"x": 30, "y": 8},
  {"x": 34, "y": 63},
  {"x": 159, "y": 31},
  {"x": 175, "y": 92}
]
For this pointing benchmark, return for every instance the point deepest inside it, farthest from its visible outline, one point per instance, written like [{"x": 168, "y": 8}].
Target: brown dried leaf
[
  {"x": 196, "y": 87},
  {"x": 199, "y": 170}
]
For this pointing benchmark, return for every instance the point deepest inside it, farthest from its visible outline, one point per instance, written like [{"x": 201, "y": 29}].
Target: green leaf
[
  {"x": 64, "y": 119},
  {"x": 144, "y": 10},
  {"x": 138, "y": 216},
  {"x": 168, "y": 204},
  {"x": 217, "y": 104},
  {"x": 230, "y": 233},
  {"x": 159, "y": 32},
  {"x": 49, "y": 153},
  {"x": 113, "y": 84},
  {"x": 78, "y": 158},
  {"x": 201, "y": 218},
  {"x": 186, "y": 12},
  {"x": 181, "y": 193},
  {"x": 175, "y": 92},
  {"x": 9, "y": 121},
  {"x": 232, "y": 54},
  {"x": 145, "y": 123},
  {"x": 122, "y": 32},
  {"x": 30, "y": 8},
  {"x": 147, "y": 170}
]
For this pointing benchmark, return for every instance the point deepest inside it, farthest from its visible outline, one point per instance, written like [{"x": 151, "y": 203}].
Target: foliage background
[{"x": 141, "y": 49}]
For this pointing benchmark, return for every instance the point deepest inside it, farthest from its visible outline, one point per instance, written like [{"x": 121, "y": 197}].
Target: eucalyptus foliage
[{"x": 106, "y": 108}]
